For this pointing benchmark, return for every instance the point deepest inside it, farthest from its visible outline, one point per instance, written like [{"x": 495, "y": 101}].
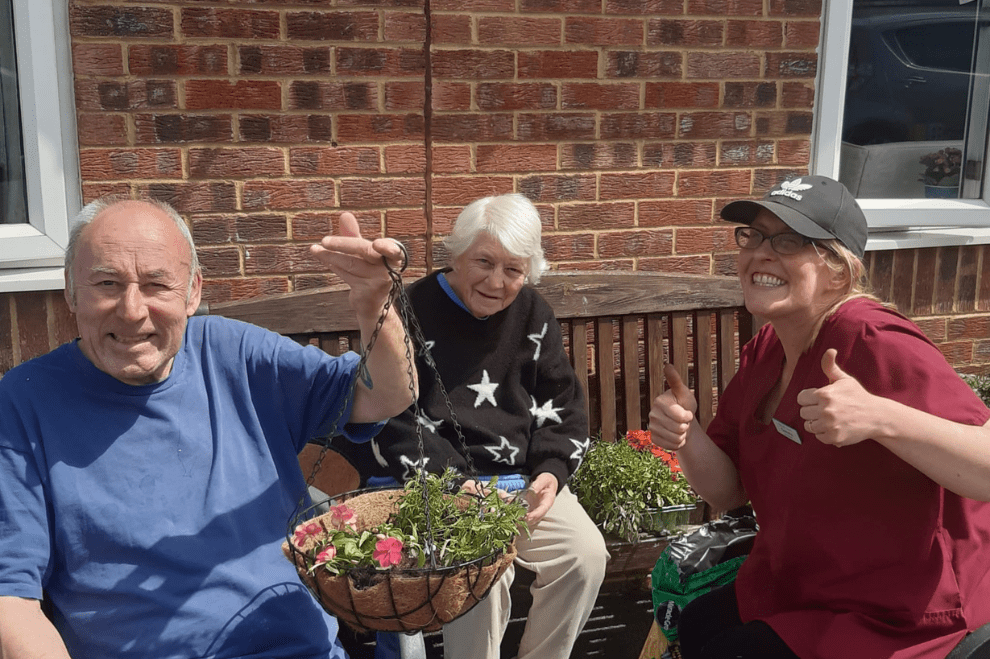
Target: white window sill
[
  {"x": 927, "y": 237},
  {"x": 31, "y": 279}
]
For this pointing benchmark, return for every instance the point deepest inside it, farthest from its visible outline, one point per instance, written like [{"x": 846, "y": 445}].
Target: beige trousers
[{"x": 568, "y": 555}]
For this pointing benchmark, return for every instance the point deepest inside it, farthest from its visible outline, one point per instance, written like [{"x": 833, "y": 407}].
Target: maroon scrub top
[{"x": 859, "y": 554}]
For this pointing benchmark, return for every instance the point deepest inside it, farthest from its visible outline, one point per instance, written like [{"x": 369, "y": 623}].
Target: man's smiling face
[{"x": 132, "y": 294}]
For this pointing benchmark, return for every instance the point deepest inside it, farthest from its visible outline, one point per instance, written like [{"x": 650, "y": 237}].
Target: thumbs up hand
[
  {"x": 842, "y": 412},
  {"x": 672, "y": 412}
]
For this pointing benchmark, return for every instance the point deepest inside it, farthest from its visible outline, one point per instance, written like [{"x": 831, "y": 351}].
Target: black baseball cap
[{"x": 814, "y": 206}]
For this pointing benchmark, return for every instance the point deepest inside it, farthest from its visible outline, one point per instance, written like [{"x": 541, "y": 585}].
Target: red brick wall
[
  {"x": 629, "y": 123},
  {"x": 31, "y": 324},
  {"x": 946, "y": 290}
]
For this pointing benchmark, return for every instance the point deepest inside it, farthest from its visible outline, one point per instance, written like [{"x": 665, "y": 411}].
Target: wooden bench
[{"x": 619, "y": 329}]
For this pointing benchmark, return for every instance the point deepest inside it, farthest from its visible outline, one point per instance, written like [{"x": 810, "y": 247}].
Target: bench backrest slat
[
  {"x": 631, "y": 360},
  {"x": 579, "y": 346},
  {"x": 654, "y": 347},
  {"x": 703, "y": 361},
  {"x": 606, "y": 377}
]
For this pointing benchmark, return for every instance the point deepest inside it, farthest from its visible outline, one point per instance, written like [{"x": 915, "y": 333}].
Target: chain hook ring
[{"x": 405, "y": 259}]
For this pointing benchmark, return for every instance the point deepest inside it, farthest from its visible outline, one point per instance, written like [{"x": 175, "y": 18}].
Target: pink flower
[
  {"x": 305, "y": 531},
  {"x": 388, "y": 552},
  {"x": 326, "y": 555},
  {"x": 341, "y": 516}
]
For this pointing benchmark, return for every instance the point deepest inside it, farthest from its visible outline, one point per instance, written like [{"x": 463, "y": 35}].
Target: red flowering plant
[
  {"x": 626, "y": 486},
  {"x": 460, "y": 532},
  {"x": 641, "y": 441}
]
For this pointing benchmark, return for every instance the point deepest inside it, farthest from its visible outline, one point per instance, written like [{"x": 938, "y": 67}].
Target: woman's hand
[
  {"x": 672, "y": 412},
  {"x": 541, "y": 495},
  {"x": 841, "y": 413}
]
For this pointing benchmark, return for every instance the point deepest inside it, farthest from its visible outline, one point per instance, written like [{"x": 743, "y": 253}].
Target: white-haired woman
[
  {"x": 864, "y": 454},
  {"x": 500, "y": 355}
]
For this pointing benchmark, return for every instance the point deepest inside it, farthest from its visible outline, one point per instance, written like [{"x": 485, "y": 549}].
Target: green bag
[
  {"x": 699, "y": 562},
  {"x": 671, "y": 595}
]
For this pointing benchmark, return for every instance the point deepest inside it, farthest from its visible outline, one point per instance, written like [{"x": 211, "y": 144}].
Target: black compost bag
[{"x": 698, "y": 562}]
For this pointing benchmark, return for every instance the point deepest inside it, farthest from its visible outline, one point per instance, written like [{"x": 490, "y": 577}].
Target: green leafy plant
[
  {"x": 941, "y": 167},
  {"x": 981, "y": 385},
  {"x": 622, "y": 484},
  {"x": 464, "y": 527},
  {"x": 461, "y": 528}
]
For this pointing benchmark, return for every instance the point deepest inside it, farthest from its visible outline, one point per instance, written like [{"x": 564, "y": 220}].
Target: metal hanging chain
[
  {"x": 412, "y": 338},
  {"x": 363, "y": 375},
  {"x": 412, "y": 327}
]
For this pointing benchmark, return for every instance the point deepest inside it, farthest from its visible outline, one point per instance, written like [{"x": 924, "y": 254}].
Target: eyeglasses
[{"x": 785, "y": 244}]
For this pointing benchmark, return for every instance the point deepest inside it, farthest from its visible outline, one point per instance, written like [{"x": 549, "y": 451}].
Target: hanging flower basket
[
  {"x": 412, "y": 559},
  {"x": 397, "y": 592}
]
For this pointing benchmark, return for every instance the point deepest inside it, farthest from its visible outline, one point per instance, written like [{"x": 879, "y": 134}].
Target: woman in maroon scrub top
[{"x": 864, "y": 455}]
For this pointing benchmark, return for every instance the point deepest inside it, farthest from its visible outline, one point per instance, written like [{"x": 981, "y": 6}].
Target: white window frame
[
  {"x": 32, "y": 254},
  {"x": 894, "y": 223}
]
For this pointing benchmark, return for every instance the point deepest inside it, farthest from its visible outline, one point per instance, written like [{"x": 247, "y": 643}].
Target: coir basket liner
[{"x": 397, "y": 600}]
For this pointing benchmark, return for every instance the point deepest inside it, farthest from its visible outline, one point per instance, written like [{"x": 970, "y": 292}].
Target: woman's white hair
[
  {"x": 89, "y": 213},
  {"x": 512, "y": 220}
]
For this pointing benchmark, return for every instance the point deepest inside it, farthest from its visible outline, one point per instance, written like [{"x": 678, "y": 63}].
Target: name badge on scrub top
[{"x": 787, "y": 431}]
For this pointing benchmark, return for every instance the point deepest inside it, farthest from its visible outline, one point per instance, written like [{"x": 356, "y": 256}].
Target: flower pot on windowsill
[
  {"x": 941, "y": 173},
  {"x": 942, "y": 191}
]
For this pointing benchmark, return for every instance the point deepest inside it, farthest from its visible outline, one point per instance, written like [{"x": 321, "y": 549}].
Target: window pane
[
  {"x": 947, "y": 45},
  {"x": 908, "y": 125},
  {"x": 13, "y": 202}
]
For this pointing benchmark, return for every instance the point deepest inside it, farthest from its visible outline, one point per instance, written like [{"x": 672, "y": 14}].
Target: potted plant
[
  {"x": 632, "y": 486},
  {"x": 942, "y": 169},
  {"x": 410, "y": 559}
]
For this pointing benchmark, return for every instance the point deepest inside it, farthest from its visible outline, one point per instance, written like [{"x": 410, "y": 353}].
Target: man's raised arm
[{"x": 358, "y": 262}]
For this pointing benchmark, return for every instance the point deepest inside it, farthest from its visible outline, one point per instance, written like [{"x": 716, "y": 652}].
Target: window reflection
[
  {"x": 909, "y": 123},
  {"x": 13, "y": 204}
]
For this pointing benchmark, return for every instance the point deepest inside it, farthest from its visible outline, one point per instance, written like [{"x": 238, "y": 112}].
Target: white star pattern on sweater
[
  {"x": 379, "y": 458},
  {"x": 411, "y": 466},
  {"x": 582, "y": 448},
  {"x": 428, "y": 423},
  {"x": 498, "y": 452},
  {"x": 486, "y": 391},
  {"x": 538, "y": 340},
  {"x": 544, "y": 412}
]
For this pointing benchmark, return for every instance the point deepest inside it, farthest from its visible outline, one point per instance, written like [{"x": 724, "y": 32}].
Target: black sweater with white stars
[{"x": 514, "y": 393}]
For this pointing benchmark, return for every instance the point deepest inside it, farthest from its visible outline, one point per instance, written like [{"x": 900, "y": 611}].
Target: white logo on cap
[{"x": 791, "y": 189}]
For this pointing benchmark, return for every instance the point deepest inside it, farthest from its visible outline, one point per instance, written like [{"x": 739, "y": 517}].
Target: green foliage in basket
[
  {"x": 488, "y": 524},
  {"x": 463, "y": 528},
  {"x": 622, "y": 483}
]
